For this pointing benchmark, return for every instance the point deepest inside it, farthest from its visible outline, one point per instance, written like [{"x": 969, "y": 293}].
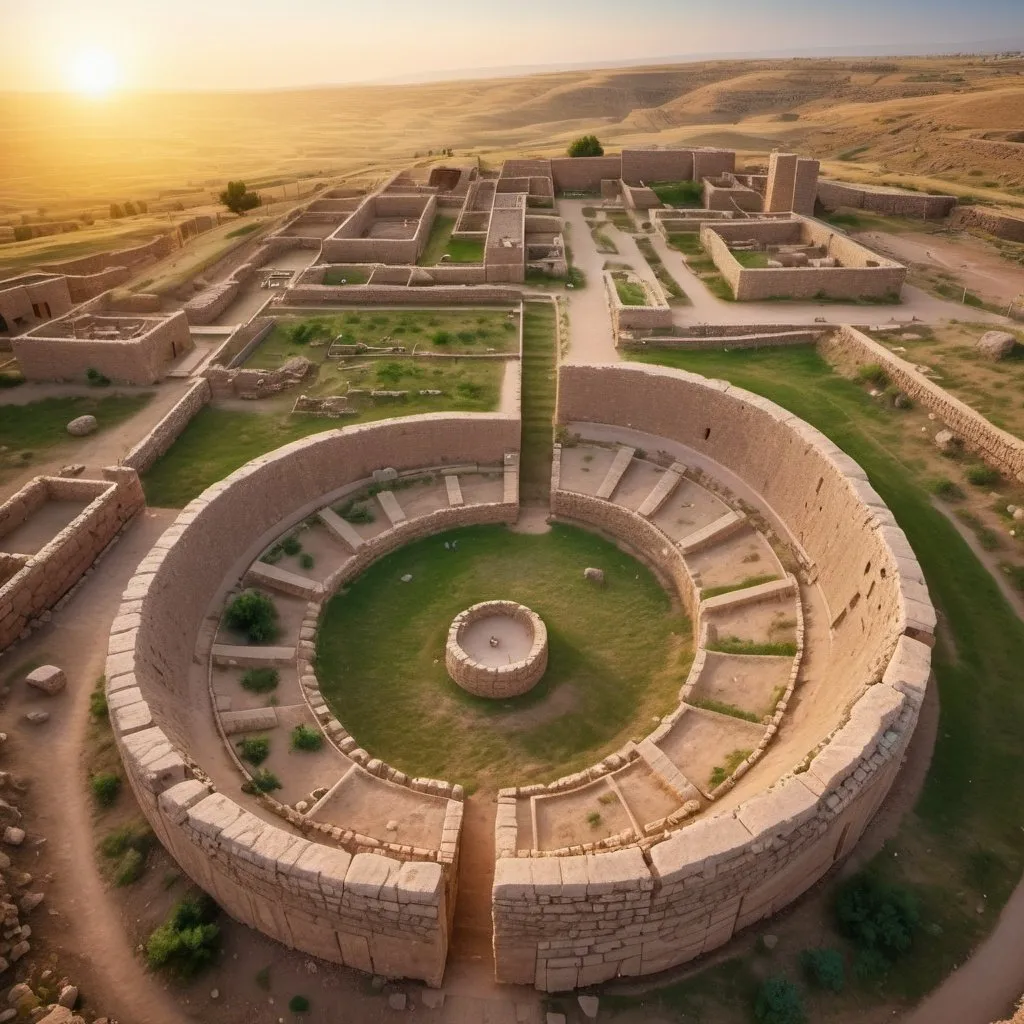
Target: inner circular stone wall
[{"x": 508, "y": 669}]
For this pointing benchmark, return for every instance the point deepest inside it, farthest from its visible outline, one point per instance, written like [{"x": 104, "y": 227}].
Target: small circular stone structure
[{"x": 497, "y": 649}]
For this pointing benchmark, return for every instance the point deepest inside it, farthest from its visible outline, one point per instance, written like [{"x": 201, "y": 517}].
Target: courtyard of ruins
[{"x": 593, "y": 635}]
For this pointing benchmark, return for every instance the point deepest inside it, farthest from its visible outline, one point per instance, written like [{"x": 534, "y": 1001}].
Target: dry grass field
[{"x": 917, "y": 120}]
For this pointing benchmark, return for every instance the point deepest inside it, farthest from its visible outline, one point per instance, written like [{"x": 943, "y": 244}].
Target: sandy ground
[
  {"x": 973, "y": 262},
  {"x": 590, "y": 324}
]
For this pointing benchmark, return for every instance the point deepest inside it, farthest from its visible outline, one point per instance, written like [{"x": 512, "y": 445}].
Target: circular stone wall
[{"x": 507, "y": 669}]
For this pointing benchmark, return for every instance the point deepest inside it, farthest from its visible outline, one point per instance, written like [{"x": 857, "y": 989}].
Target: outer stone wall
[
  {"x": 167, "y": 431},
  {"x": 367, "y": 911},
  {"x": 894, "y": 203},
  {"x": 496, "y": 681},
  {"x": 567, "y": 921}
]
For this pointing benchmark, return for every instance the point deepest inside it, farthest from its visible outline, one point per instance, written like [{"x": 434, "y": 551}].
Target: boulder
[
  {"x": 82, "y": 426},
  {"x": 30, "y": 901},
  {"x": 14, "y": 836},
  {"x": 946, "y": 441},
  {"x": 69, "y": 996},
  {"x": 48, "y": 678},
  {"x": 996, "y": 344},
  {"x": 432, "y": 999},
  {"x": 37, "y": 717},
  {"x": 588, "y": 1005},
  {"x": 594, "y": 575},
  {"x": 18, "y": 993},
  {"x": 397, "y": 1000}
]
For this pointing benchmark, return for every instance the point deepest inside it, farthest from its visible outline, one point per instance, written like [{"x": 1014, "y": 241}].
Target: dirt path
[
  {"x": 472, "y": 930},
  {"x": 590, "y": 323},
  {"x": 87, "y": 931}
]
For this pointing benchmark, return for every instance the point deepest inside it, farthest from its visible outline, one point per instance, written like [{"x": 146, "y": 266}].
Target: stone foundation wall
[
  {"x": 157, "y": 248},
  {"x": 366, "y": 911},
  {"x": 568, "y": 921},
  {"x": 53, "y": 570},
  {"x": 584, "y": 173},
  {"x": 83, "y": 287},
  {"x": 834, "y": 194},
  {"x": 1002, "y": 225},
  {"x": 997, "y": 447},
  {"x": 396, "y": 295},
  {"x": 167, "y": 431},
  {"x": 346, "y": 245}
]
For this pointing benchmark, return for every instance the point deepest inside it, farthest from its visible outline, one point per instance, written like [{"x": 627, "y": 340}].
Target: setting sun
[{"x": 93, "y": 73}]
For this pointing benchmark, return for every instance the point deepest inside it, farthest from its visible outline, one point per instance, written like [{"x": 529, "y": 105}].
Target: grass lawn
[
  {"x": 336, "y": 276},
  {"x": 615, "y": 658},
  {"x": 676, "y": 295},
  {"x": 752, "y": 260},
  {"x": 29, "y": 430},
  {"x": 960, "y": 848},
  {"x": 440, "y": 243},
  {"x": 440, "y": 330},
  {"x": 473, "y": 385},
  {"x": 538, "y": 400},
  {"x": 630, "y": 293},
  {"x": 678, "y": 193},
  {"x": 701, "y": 264},
  {"x": 218, "y": 441}
]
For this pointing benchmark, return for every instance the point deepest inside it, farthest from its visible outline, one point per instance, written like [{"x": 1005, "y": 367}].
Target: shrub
[
  {"x": 254, "y": 749},
  {"x": 298, "y": 1004},
  {"x": 441, "y": 337},
  {"x": 983, "y": 476},
  {"x": 824, "y": 968},
  {"x": 291, "y": 545},
  {"x": 261, "y": 680},
  {"x": 947, "y": 490},
  {"x": 594, "y": 819},
  {"x": 872, "y": 373},
  {"x": 264, "y": 781},
  {"x": 305, "y": 738},
  {"x": 778, "y": 1002},
  {"x": 876, "y": 915},
  {"x": 97, "y": 379},
  {"x": 105, "y": 787},
  {"x": 253, "y": 614},
  {"x": 129, "y": 846},
  {"x": 870, "y": 965},
  {"x": 187, "y": 941},
  {"x": 306, "y": 560},
  {"x": 130, "y": 868},
  {"x": 586, "y": 145},
  {"x": 98, "y": 700},
  {"x": 353, "y": 512}
]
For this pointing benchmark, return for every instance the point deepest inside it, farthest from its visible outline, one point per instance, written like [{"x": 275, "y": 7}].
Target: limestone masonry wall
[
  {"x": 567, "y": 921},
  {"x": 893, "y": 203},
  {"x": 53, "y": 570},
  {"x": 995, "y": 446},
  {"x": 366, "y": 910},
  {"x": 156, "y": 248},
  {"x": 1002, "y": 225},
  {"x": 167, "y": 431}
]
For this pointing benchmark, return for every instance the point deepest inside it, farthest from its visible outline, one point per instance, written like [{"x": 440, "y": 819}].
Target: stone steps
[
  {"x": 662, "y": 490},
  {"x": 252, "y": 657},
  {"x": 661, "y": 767},
  {"x": 623, "y": 457},
  {"x": 392, "y": 508},
  {"x": 721, "y": 529},
  {"x": 273, "y": 577},
  {"x": 454, "y": 489},
  {"x": 749, "y": 595}
]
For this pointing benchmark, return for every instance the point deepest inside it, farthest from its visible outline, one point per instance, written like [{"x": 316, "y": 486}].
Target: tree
[
  {"x": 116, "y": 213},
  {"x": 129, "y": 209},
  {"x": 237, "y": 198},
  {"x": 586, "y": 145}
]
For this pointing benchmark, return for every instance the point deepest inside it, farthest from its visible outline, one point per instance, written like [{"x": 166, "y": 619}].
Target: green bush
[
  {"x": 264, "y": 781},
  {"x": 305, "y": 738},
  {"x": 253, "y": 614},
  {"x": 254, "y": 749},
  {"x": 261, "y": 680},
  {"x": 187, "y": 941},
  {"x": 130, "y": 868},
  {"x": 298, "y": 1004},
  {"x": 870, "y": 966},
  {"x": 105, "y": 787},
  {"x": 876, "y": 915},
  {"x": 291, "y": 545},
  {"x": 97, "y": 379},
  {"x": 947, "y": 490},
  {"x": 983, "y": 476},
  {"x": 586, "y": 145},
  {"x": 872, "y": 373},
  {"x": 441, "y": 337},
  {"x": 778, "y": 1002},
  {"x": 98, "y": 700},
  {"x": 824, "y": 968},
  {"x": 354, "y": 512},
  {"x": 306, "y": 560},
  {"x": 129, "y": 846}
]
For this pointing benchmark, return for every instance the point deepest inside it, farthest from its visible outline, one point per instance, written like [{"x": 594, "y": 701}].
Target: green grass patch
[
  {"x": 338, "y": 276},
  {"x": 106, "y": 787},
  {"x": 27, "y": 431},
  {"x": 721, "y": 708},
  {"x": 630, "y": 293},
  {"x": 750, "y": 581},
  {"x": 615, "y": 659},
  {"x": 752, "y": 260},
  {"x": 603, "y": 242},
  {"x": 540, "y": 344},
  {"x": 440, "y": 243},
  {"x": 305, "y": 738},
  {"x": 254, "y": 749},
  {"x": 732, "y": 761},
  {"x": 947, "y": 490},
  {"x": 260, "y": 680},
  {"x": 245, "y": 229},
  {"x": 679, "y": 193},
  {"x": 988, "y": 538},
  {"x": 969, "y": 805},
  {"x": 734, "y": 645},
  {"x": 126, "y": 849}
]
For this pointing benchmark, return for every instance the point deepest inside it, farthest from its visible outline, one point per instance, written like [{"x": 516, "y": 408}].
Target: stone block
[
  {"x": 782, "y": 809},
  {"x": 368, "y": 874}
]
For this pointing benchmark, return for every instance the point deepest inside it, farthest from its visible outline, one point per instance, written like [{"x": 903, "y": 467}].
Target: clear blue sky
[{"x": 271, "y": 43}]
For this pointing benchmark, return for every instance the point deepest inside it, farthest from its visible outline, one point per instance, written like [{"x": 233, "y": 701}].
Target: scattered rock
[
  {"x": 902, "y": 401},
  {"x": 432, "y": 999},
  {"x": 392, "y": 826},
  {"x": 69, "y": 996},
  {"x": 37, "y": 717},
  {"x": 377, "y": 982},
  {"x": 18, "y": 951},
  {"x": 215, "y": 993},
  {"x": 397, "y": 1000},
  {"x": 407, "y": 578},
  {"x": 75, "y": 469},
  {"x": 383, "y": 476},
  {"x": 1018, "y": 515},
  {"x": 48, "y": 678},
  {"x": 996, "y": 344},
  {"x": 14, "y": 836},
  {"x": 946, "y": 441},
  {"x": 594, "y": 575},
  {"x": 556, "y": 1018},
  {"x": 770, "y": 941},
  {"x": 30, "y": 901},
  {"x": 18, "y": 993},
  {"x": 81, "y": 426},
  {"x": 8, "y": 1014},
  {"x": 588, "y": 1004}
]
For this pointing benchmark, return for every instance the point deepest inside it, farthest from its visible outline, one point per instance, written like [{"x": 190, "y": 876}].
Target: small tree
[
  {"x": 779, "y": 1002},
  {"x": 253, "y": 614},
  {"x": 129, "y": 209},
  {"x": 116, "y": 213},
  {"x": 877, "y": 915},
  {"x": 586, "y": 145},
  {"x": 237, "y": 198},
  {"x": 187, "y": 941}
]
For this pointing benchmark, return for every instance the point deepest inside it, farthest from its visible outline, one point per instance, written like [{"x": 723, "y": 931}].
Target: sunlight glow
[{"x": 93, "y": 73}]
